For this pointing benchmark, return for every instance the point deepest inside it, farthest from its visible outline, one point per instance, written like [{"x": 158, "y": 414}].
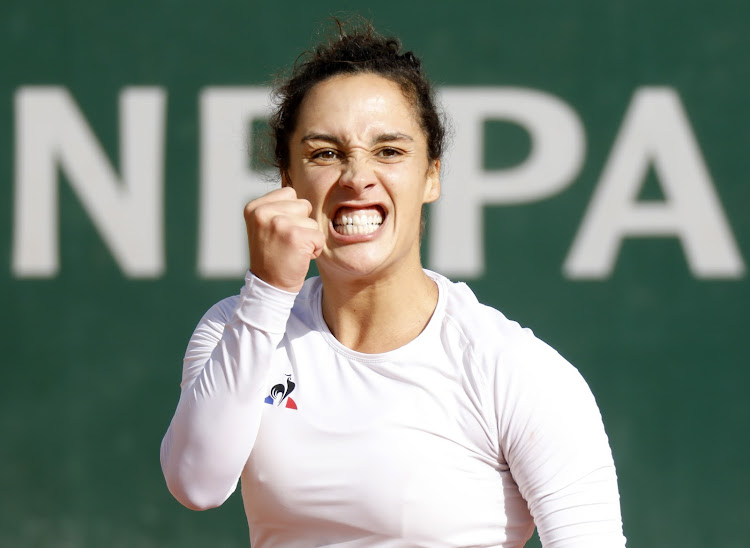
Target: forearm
[{"x": 218, "y": 415}]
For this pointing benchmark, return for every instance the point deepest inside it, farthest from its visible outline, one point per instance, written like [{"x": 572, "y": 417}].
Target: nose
[{"x": 357, "y": 175}]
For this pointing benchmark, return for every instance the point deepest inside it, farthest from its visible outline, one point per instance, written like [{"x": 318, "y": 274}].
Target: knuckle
[
  {"x": 248, "y": 211},
  {"x": 277, "y": 223},
  {"x": 298, "y": 234},
  {"x": 285, "y": 193},
  {"x": 264, "y": 214},
  {"x": 307, "y": 205}
]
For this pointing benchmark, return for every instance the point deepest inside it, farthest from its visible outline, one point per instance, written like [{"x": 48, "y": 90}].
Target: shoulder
[
  {"x": 480, "y": 328},
  {"x": 542, "y": 407},
  {"x": 499, "y": 346}
]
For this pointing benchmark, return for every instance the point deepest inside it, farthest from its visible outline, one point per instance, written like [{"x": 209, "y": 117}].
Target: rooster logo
[{"x": 280, "y": 394}]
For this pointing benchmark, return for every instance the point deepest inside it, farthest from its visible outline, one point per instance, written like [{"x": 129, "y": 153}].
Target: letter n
[{"x": 52, "y": 134}]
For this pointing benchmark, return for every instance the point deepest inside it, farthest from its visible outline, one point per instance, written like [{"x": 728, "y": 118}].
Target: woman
[{"x": 378, "y": 404}]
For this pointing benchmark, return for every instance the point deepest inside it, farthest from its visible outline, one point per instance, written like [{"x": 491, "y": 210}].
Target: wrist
[
  {"x": 264, "y": 306},
  {"x": 278, "y": 282}
]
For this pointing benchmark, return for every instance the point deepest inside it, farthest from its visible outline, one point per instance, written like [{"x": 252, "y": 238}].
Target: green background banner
[{"x": 625, "y": 246}]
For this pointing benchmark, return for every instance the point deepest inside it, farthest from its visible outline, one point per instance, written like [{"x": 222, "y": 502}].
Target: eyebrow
[
  {"x": 382, "y": 138},
  {"x": 321, "y": 137}
]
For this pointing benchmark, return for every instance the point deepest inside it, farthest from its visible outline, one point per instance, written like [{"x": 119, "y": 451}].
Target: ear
[{"x": 432, "y": 185}]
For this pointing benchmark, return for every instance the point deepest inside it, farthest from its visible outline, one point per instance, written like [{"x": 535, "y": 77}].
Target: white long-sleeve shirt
[{"x": 469, "y": 435}]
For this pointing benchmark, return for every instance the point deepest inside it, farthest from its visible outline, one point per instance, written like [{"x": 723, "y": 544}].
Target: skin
[{"x": 357, "y": 145}]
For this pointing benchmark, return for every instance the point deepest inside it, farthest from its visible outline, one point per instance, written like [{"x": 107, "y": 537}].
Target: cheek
[
  {"x": 310, "y": 184},
  {"x": 315, "y": 187}
]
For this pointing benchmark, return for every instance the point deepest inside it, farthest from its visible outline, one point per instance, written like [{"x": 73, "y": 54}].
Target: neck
[{"x": 374, "y": 316}]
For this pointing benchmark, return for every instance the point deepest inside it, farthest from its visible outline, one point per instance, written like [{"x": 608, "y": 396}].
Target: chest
[{"x": 351, "y": 448}]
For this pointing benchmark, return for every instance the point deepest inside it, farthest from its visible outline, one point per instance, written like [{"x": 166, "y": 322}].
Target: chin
[{"x": 355, "y": 265}]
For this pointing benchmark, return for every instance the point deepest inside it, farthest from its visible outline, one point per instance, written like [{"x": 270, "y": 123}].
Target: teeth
[{"x": 362, "y": 222}]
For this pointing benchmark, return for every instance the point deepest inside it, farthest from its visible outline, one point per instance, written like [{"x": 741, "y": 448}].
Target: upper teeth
[
  {"x": 359, "y": 220},
  {"x": 363, "y": 222}
]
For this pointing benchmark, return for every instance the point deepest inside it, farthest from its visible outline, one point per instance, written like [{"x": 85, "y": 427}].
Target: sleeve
[
  {"x": 225, "y": 370},
  {"x": 553, "y": 439}
]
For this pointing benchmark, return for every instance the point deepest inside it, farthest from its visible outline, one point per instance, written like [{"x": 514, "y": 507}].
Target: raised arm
[
  {"x": 224, "y": 375},
  {"x": 231, "y": 353}
]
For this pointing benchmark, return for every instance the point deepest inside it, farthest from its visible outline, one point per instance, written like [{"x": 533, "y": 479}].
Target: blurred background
[{"x": 596, "y": 191}]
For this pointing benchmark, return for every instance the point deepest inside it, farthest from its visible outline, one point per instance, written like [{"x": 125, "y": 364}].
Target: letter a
[{"x": 655, "y": 132}]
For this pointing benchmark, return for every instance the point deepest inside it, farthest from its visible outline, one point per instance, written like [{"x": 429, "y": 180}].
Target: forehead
[{"x": 358, "y": 103}]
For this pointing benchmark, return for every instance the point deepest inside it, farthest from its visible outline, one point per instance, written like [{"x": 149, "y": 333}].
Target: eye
[
  {"x": 389, "y": 153},
  {"x": 326, "y": 154}
]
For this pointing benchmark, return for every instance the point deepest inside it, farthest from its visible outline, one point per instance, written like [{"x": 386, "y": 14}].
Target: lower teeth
[{"x": 349, "y": 230}]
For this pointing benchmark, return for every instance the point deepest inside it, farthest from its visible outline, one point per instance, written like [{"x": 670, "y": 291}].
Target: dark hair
[{"x": 362, "y": 50}]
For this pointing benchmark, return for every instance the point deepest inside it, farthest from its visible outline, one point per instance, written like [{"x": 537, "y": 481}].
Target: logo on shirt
[{"x": 279, "y": 395}]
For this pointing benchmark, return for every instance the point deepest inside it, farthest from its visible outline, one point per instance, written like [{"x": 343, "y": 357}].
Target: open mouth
[{"x": 350, "y": 221}]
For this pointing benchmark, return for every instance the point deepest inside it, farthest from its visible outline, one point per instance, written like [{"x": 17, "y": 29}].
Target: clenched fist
[{"x": 283, "y": 239}]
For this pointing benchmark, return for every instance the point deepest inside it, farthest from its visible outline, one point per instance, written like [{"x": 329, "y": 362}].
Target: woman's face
[{"x": 359, "y": 155}]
